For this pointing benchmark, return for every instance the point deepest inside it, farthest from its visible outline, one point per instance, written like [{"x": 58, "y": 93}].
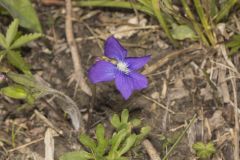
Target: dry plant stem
[
  {"x": 169, "y": 57},
  {"x": 151, "y": 150},
  {"x": 159, "y": 104},
  {"x": 236, "y": 131},
  {"x": 78, "y": 75},
  {"x": 28, "y": 144},
  {"x": 45, "y": 120}
]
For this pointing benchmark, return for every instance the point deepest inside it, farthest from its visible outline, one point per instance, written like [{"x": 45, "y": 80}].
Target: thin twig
[
  {"x": 27, "y": 144},
  {"x": 45, "y": 120},
  {"x": 169, "y": 57},
  {"x": 151, "y": 150},
  {"x": 78, "y": 75},
  {"x": 159, "y": 104}
]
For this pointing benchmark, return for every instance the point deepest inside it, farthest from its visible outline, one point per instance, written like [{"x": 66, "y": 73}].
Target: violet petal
[
  {"x": 135, "y": 63},
  {"x": 102, "y": 71},
  {"x": 113, "y": 49},
  {"x": 126, "y": 84}
]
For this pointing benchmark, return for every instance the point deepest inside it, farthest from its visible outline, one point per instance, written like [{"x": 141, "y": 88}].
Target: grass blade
[
  {"x": 196, "y": 26},
  {"x": 161, "y": 20},
  {"x": 113, "y": 4},
  {"x": 225, "y": 10},
  {"x": 204, "y": 21}
]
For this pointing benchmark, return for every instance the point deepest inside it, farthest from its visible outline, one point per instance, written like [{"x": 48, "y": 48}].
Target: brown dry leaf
[
  {"x": 179, "y": 91},
  {"x": 206, "y": 93},
  {"x": 154, "y": 95},
  {"x": 126, "y": 31},
  {"x": 216, "y": 121}
]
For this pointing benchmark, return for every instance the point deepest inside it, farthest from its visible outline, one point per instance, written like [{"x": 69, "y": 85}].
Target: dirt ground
[{"x": 190, "y": 80}]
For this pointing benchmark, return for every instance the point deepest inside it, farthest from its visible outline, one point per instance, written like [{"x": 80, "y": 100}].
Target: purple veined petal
[
  {"x": 102, "y": 71},
  {"x": 113, "y": 49},
  {"x": 135, "y": 63},
  {"x": 126, "y": 84}
]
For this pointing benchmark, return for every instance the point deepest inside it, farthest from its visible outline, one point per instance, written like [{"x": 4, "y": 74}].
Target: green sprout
[
  {"x": 113, "y": 148},
  {"x": 204, "y": 150}
]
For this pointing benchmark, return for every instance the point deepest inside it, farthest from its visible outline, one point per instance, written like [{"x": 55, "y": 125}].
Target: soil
[{"x": 188, "y": 84}]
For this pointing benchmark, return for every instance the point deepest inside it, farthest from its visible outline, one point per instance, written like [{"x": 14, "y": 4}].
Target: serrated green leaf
[
  {"x": 102, "y": 142},
  {"x": 24, "y": 40},
  {"x": 143, "y": 133},
  {"x": 17, "y": 61},
  {"x": 145, "y": 130},
  {"x": 128, "y": 144},
  {"x": 87, "y": 142},
  {"x": 14, "y": 91},
  {"x": 182, "y": 32},
  {"x": 26, "y": 80},
  {"x": 118, "y": 138},
  {"x": 12, "y": 32},
  {"x": 135, "y": 122},
  {"x": 204, "y": 150},
  {"x": 115, "y": 121},
  {"x": 124, "y": 116},
  {"x": 77, "y": 155},
  {"x": 3, "y": 42},
  {"x": 23, "y": 10}
]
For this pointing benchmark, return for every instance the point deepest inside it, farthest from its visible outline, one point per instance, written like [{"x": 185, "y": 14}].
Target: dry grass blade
[
  {"x": 78, "y": 75},
  {"x": 49, "y": 144}
]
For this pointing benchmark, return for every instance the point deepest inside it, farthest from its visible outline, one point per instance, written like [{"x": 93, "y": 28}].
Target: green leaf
[
  {"x": 23, "y": 10},
  {"x": 102, "y": 142},
  {"x": 124, "y": 116},
  {"x": 115, "y": 121},
  {"x": 3, "y": 42},
  {"x": 129, "y": 143},
  {"x": 17, "y": 61},
  {"x": 87, "y": 141},
  {"x": 76, "y": 155},
  {"x": 14, "y": 91},
  {"x": 181, "y": 32},
  {"x": 2, "y": 55},
  {"x": 12, "y": 31},
  {"x": 26, "y": 80},
  {"x": 135, "y": 122},
  {"x": 143, "y": 133},
  {"x": 204, "y": 150},
  {"x": 24, "y": 40},
  {"x": 118, "y": 138}
]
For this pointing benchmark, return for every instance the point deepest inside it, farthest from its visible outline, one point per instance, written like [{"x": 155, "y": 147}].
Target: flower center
[{"x": 122, "y": 66}]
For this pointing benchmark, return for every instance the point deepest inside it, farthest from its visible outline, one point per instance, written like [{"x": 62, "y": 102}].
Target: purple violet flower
[{"x": 123, "y": 69}]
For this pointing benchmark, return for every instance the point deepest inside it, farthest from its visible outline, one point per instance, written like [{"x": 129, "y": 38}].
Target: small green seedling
[
  {"x": 11, "y": 43},
  {"x": 204, "y": 150},
  {"x": 114, "y": 148}
]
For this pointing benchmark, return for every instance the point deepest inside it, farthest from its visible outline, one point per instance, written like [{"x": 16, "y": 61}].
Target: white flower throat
[{"x": 122, "y": 66}]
